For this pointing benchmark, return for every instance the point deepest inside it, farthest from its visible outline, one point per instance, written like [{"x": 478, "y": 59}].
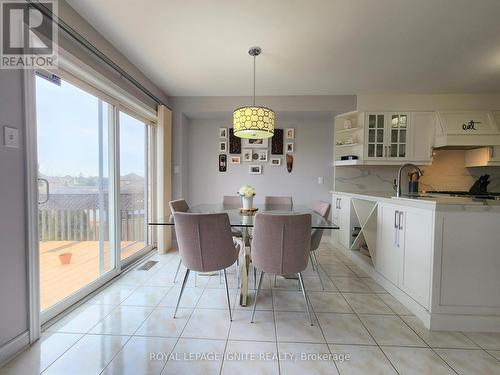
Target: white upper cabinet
[
  {"x": 384, "y": 138},
  {"x": 387, "y": 136}
]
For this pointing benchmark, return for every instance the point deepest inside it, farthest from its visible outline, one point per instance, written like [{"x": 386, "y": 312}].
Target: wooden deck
[{"x": 58, "y": 281}]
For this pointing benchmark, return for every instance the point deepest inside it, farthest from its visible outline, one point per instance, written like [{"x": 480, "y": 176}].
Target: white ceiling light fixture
[{"x": 255, "y": 122}]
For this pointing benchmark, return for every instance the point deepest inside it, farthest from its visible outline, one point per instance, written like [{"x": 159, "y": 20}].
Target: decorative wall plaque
[
  {"x": 222, "y": 162},
  {"x": 277, "y": 142},
  {"x": 234, "y": 143},
  {"x": 289, "y": 163}
]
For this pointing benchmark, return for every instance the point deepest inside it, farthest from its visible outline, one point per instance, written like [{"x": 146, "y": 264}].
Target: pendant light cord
[{"x": 254, "y": 80}]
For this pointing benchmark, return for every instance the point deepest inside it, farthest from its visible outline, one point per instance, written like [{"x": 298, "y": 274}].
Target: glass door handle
[{"x": 46, "y": 182}]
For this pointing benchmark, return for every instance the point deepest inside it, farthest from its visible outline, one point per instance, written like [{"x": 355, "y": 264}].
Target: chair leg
[
  {"x": 305, "y": 297},
  {"x": 220, "y": 277},
  {"x": 275, "y": 281},
  {"x": 257, "y": 295},
  {"x": 195, "y": 279},
  {"x": 313, "y": 255},
  {"x": 186, "y": 276},
  {"x": 312, "y": 260},
  {"x": 227, "y": 295},
  {"x": 176, "y": 272},
  {"x": 254, "y": 278}
]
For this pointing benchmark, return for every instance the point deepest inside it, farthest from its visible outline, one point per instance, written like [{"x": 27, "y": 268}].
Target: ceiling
[{"x": 310, "y": 47}]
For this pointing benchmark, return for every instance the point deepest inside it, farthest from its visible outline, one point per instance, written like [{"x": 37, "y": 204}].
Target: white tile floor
[{"x": 359, "y": 329}]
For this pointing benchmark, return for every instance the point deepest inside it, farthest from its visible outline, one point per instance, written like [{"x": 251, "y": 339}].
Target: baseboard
[
  {"x": 13, "y": 347},
  {"x": 466, "y": 323}
]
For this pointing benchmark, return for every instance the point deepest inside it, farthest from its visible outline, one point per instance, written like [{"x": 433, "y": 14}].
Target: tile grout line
[
  {"x": 373, "y": 338},
  {"x": 183, "y": 328}
]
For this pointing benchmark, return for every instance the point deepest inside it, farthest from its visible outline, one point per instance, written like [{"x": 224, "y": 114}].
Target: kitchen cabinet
[
  {"x": 342, "y": 217},
  {"x": 387, "y": 136},
  {"x": 384, "y": 138},
  {"x": 404, "y": 248},
  {"x": 421, "y": 136},
  {"x": 415, "y": 241},
  {"x": 389, "y": 254}
]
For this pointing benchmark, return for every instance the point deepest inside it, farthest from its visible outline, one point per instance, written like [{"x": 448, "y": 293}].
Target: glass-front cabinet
[{"x": 386, "y": 135}]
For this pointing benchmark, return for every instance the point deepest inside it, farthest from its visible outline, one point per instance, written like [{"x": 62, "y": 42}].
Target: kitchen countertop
[{"x": 429, "y": 200}]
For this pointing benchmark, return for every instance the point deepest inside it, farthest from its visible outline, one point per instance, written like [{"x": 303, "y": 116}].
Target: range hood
[{"x": 467, "y": 129}]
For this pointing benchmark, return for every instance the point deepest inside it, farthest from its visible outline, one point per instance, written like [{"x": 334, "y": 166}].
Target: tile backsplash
[{"x": 447, "y": 172}]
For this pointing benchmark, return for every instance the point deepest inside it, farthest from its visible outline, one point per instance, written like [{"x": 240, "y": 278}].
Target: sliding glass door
[
  {"x": 75, "y": 221},
  {"x": 133, "y": 185},
  {"x": 93, "y": 189}
]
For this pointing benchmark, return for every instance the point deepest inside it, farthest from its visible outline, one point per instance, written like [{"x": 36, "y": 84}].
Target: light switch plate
[{"x": 10, "y": 137}]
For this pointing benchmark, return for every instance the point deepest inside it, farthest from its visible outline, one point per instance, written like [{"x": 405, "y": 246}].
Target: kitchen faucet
[{"x": 398, "y": 179}]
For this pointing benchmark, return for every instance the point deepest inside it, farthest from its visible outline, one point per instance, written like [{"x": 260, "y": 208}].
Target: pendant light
[{"x": 254, "y": 121}]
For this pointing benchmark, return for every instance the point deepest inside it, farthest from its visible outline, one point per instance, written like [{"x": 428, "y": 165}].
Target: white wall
[
  {"x": 312, "y": 159},
  {"x": 13, "y": 281}
]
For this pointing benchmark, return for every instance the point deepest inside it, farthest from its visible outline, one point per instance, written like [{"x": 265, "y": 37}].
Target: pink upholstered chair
[
  {"x": 205, "y": 245},
  {"x": 322, "y": 209},
  {"x": 231, "y": 201},
  {"x": 278, "y": 201},
  {"x": 179, "y": 205},
  {"x": 281, "y": 245}
]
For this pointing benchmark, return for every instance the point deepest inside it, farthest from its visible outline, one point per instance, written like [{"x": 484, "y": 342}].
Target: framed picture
[
  {"x": 277, "y": 142},
  {"x": 289, "y": 147},
  {"x": 290, "y": 133},
  {"x": 255, "y": 169},
  {"x": 223, "y": 133},
  {"x": 276, "y": 161},
  {"x": 235, "y": 159},
  {"x": 255, "y": 143},
  {"x": 247, "y": 154},
  {"x": 234, "y": 143},
  {"x": 223, "y": 146},
  {"x": 255, "y": 155},
  {"x": 263, "y": 155}
]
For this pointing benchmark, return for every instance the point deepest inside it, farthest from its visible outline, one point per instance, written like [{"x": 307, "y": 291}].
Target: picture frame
[
  {"x": 247, "y": 154},
  {"x": 222, "y": 147},
  {"x": 262, "y": 155},
  {"x": 289, "y": 147},
  {"x": 276, "y": 162},
  {"x": 235, "y": 159},
  {"x": 255, "y": 169},
  {"x": 290, "y": 133},
  {"x": 223, "y": 133},
  {"x": 256, "y": 143}
]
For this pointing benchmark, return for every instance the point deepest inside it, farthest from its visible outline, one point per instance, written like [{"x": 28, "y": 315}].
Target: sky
[{"x": 67, "y": 132}]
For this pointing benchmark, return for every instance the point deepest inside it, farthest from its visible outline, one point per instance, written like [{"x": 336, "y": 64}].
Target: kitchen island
[{"x": 438, "y": 255}]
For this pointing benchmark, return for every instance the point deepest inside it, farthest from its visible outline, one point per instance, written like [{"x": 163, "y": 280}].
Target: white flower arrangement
[{"x": 246, "y": 191}]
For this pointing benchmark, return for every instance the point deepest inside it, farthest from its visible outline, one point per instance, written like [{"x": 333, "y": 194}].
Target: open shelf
[
  {"x": 340, "y": 131},
  {"x": 339, "y": 163},
  {"x": 347, "y": 145},
  {"x": 366, "y": 214}
]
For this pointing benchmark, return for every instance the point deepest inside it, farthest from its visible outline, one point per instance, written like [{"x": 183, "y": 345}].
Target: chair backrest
[
  {"x": 205, "y": 241},
  {"x": 281, "y": 243},
  {"x": 179, "y": 205},
  {"x": 278, "y": 201},
  {"x": 322, "y": 208},
  {"x": 231, "y": 201}
]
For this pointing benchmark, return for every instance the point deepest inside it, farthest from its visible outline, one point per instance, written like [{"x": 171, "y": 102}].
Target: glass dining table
[{"x": 244, "y": 221}]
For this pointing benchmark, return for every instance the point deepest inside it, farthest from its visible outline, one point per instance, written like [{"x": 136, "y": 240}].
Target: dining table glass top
[{"x": 239, "y": 219}]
